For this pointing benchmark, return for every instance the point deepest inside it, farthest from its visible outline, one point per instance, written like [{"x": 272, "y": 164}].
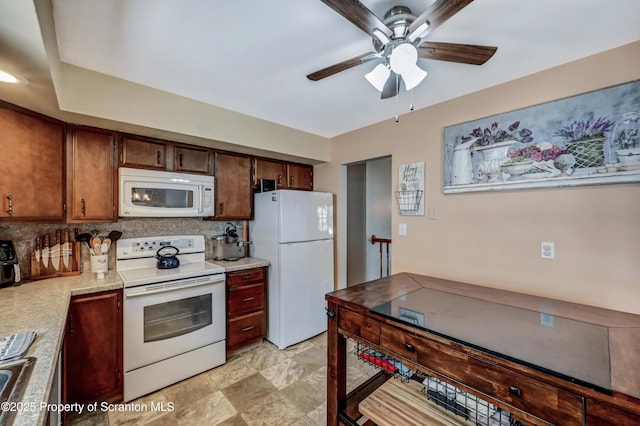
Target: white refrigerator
[{"x": 293, "y": 230}]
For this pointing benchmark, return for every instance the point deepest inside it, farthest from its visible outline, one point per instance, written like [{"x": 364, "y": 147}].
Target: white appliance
[
  {"x": 174, "y": 319},
  {"x": 153, "y": 193},
  {"x": 293, "y": 230}
]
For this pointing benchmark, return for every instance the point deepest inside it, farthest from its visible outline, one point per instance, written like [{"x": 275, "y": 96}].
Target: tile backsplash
[{"x": 23, "y": 236}]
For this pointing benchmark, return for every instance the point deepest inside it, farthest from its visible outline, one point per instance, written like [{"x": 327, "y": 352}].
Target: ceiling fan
[{"x": 398, "y": 43}]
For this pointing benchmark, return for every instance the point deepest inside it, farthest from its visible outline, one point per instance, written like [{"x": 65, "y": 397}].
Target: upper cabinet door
[
  {"x": 270, "y": 169},
  {"x": 91, "y": 175},
  {"x": 143, "y": 153},
  {"x": 191, "y": 160},
  {"x": 300, "y": 176},
  {"x": 233, "y": 186},
  {"x": 31, "y": 182}
]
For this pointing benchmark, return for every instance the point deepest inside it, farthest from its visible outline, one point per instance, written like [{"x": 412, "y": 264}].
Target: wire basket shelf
[
  {"x": 408, "y": 201},
  {"x": 476, "y": 410},
  {"x": 470, "y": 408},
  {"x": 382, "y": 362}
]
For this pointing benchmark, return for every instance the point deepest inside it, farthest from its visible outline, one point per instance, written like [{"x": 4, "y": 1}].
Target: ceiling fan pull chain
[
  {"x": 411, "y": 104},
  {"x": 397, "y": 96}
]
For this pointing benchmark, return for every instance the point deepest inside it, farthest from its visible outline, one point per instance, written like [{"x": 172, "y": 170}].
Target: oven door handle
[{"x": 173, "y": 287}]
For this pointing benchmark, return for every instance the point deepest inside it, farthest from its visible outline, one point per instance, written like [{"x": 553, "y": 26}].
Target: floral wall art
[{"x": 592, "y": 138}]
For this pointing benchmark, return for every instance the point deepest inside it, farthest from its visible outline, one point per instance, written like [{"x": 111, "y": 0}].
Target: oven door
[{"x": 167, "y": 319}]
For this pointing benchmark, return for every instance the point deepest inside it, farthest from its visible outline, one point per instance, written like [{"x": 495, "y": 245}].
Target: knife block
[{"x": 43, "y": 268}]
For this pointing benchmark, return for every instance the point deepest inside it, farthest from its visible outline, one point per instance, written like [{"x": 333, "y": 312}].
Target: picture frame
[{"x": 587, "y": 139}]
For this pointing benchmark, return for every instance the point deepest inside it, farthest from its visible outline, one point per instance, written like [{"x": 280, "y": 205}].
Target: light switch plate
[{"x": 402, "y": 229}]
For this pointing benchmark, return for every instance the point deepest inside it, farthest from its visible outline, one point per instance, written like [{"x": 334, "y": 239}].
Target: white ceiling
[{"x": 252, "y": 56}]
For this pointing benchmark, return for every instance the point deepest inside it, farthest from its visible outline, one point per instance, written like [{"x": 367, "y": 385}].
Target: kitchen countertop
[
  {"x": 240, "y": 264},
  {"x": 42, "y": 306}
]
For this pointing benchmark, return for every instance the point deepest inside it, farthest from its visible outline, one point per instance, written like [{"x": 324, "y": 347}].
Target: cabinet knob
[
  {"x": 10, "y": 209},
  {"x": 515, "y": 391},
  {"x": 83, "y": 207},
  {"x": 180, "y": 160},
  {"x": 291, "y": 178},
  {"x": 244, "y": 330},
  {"x": 410, "y": 347},
  {"x": 221, "y": 209},
  {"x": 158, "y": 158},
  {"x": 248, "y": 299}
]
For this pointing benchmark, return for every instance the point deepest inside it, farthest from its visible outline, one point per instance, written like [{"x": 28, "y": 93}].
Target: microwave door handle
[{"x": 201, "y": 191}]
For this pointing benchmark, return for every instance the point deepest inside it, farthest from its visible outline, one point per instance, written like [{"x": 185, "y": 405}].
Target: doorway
[{"x": 368, "y": 213}]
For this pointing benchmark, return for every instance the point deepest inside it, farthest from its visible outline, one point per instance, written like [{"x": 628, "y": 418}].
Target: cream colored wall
[{"x": 493, "y": 239}]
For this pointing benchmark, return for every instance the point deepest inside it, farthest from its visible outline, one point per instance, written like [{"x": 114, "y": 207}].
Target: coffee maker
[{"x": 8, "y": 264}]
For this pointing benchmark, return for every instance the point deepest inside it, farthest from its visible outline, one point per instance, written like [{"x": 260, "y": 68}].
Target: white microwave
[{"x": 151, "y": 193}]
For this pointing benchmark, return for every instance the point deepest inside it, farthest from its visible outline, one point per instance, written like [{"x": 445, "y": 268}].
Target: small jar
[{"x": 625, "y": 138}]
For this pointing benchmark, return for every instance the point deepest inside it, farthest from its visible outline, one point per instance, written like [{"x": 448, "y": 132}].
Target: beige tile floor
[{"x": 259, "y": 386}]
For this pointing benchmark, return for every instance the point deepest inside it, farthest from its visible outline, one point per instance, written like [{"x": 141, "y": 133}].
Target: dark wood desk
[{"x": 533, "y": 394}]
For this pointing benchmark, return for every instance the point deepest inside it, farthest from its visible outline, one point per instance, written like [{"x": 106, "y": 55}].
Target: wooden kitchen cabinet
[
  {"x": 234, "y": 198},
  {"x": 246, "y": 308},
  {"x": 299, "y": 176},
  {"x": 31, "y": 182},
  {"x": 270, "y": 169},
  {"x": 91, "y": 175},
  {"x": 92, "y": 350},
  {"x": 137, "y": 151},
  {"x": 192, "y": 160}
]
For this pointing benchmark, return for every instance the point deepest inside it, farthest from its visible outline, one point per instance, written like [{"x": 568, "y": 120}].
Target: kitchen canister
[{"x": 100, "y": 265}]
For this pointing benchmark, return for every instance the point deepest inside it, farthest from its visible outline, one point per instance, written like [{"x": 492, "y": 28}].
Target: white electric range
[{"x": 174, "y": 319}]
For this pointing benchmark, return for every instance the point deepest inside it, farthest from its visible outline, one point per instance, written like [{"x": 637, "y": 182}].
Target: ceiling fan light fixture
[
  {"x": 413, "y": 76},
  {"x": 378, "y": 76},
  {"x": 403, "y": 57},
  {"x": 403, "y": 61}
]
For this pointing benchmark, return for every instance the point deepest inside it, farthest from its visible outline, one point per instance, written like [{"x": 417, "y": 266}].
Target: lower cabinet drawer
[
  {"x": 245, "y": 328},
  {"x": 246, "y": 298}
]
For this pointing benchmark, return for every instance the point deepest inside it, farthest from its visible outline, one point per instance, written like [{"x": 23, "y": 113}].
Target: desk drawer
[
  {"x": 246, "y": 298},
  {"x": 359, "y": 325},
  {"x": 530, "y": 395}
]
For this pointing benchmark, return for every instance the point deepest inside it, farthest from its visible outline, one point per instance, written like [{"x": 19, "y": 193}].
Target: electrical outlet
[
  {"x": 547, "y": 250},
  {"x": 546, "y": 319},
  {"x": 402, "y": 229}
]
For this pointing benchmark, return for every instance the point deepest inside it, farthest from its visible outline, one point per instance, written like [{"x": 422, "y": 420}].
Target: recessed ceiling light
[{"x": 6, "y": 77}]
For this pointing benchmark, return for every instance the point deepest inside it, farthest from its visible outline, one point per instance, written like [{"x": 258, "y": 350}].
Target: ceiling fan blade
[
  {"x": 359, "y": 15},
  {"x": 344, "y": 65},
  {"x": 453, "y": 52},
  {"x": 391, "y": 87},
  {"x": 438, "y": 13}
]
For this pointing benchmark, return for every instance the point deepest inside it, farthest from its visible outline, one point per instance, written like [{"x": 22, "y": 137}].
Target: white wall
[{"x": 493, "y": 239}]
